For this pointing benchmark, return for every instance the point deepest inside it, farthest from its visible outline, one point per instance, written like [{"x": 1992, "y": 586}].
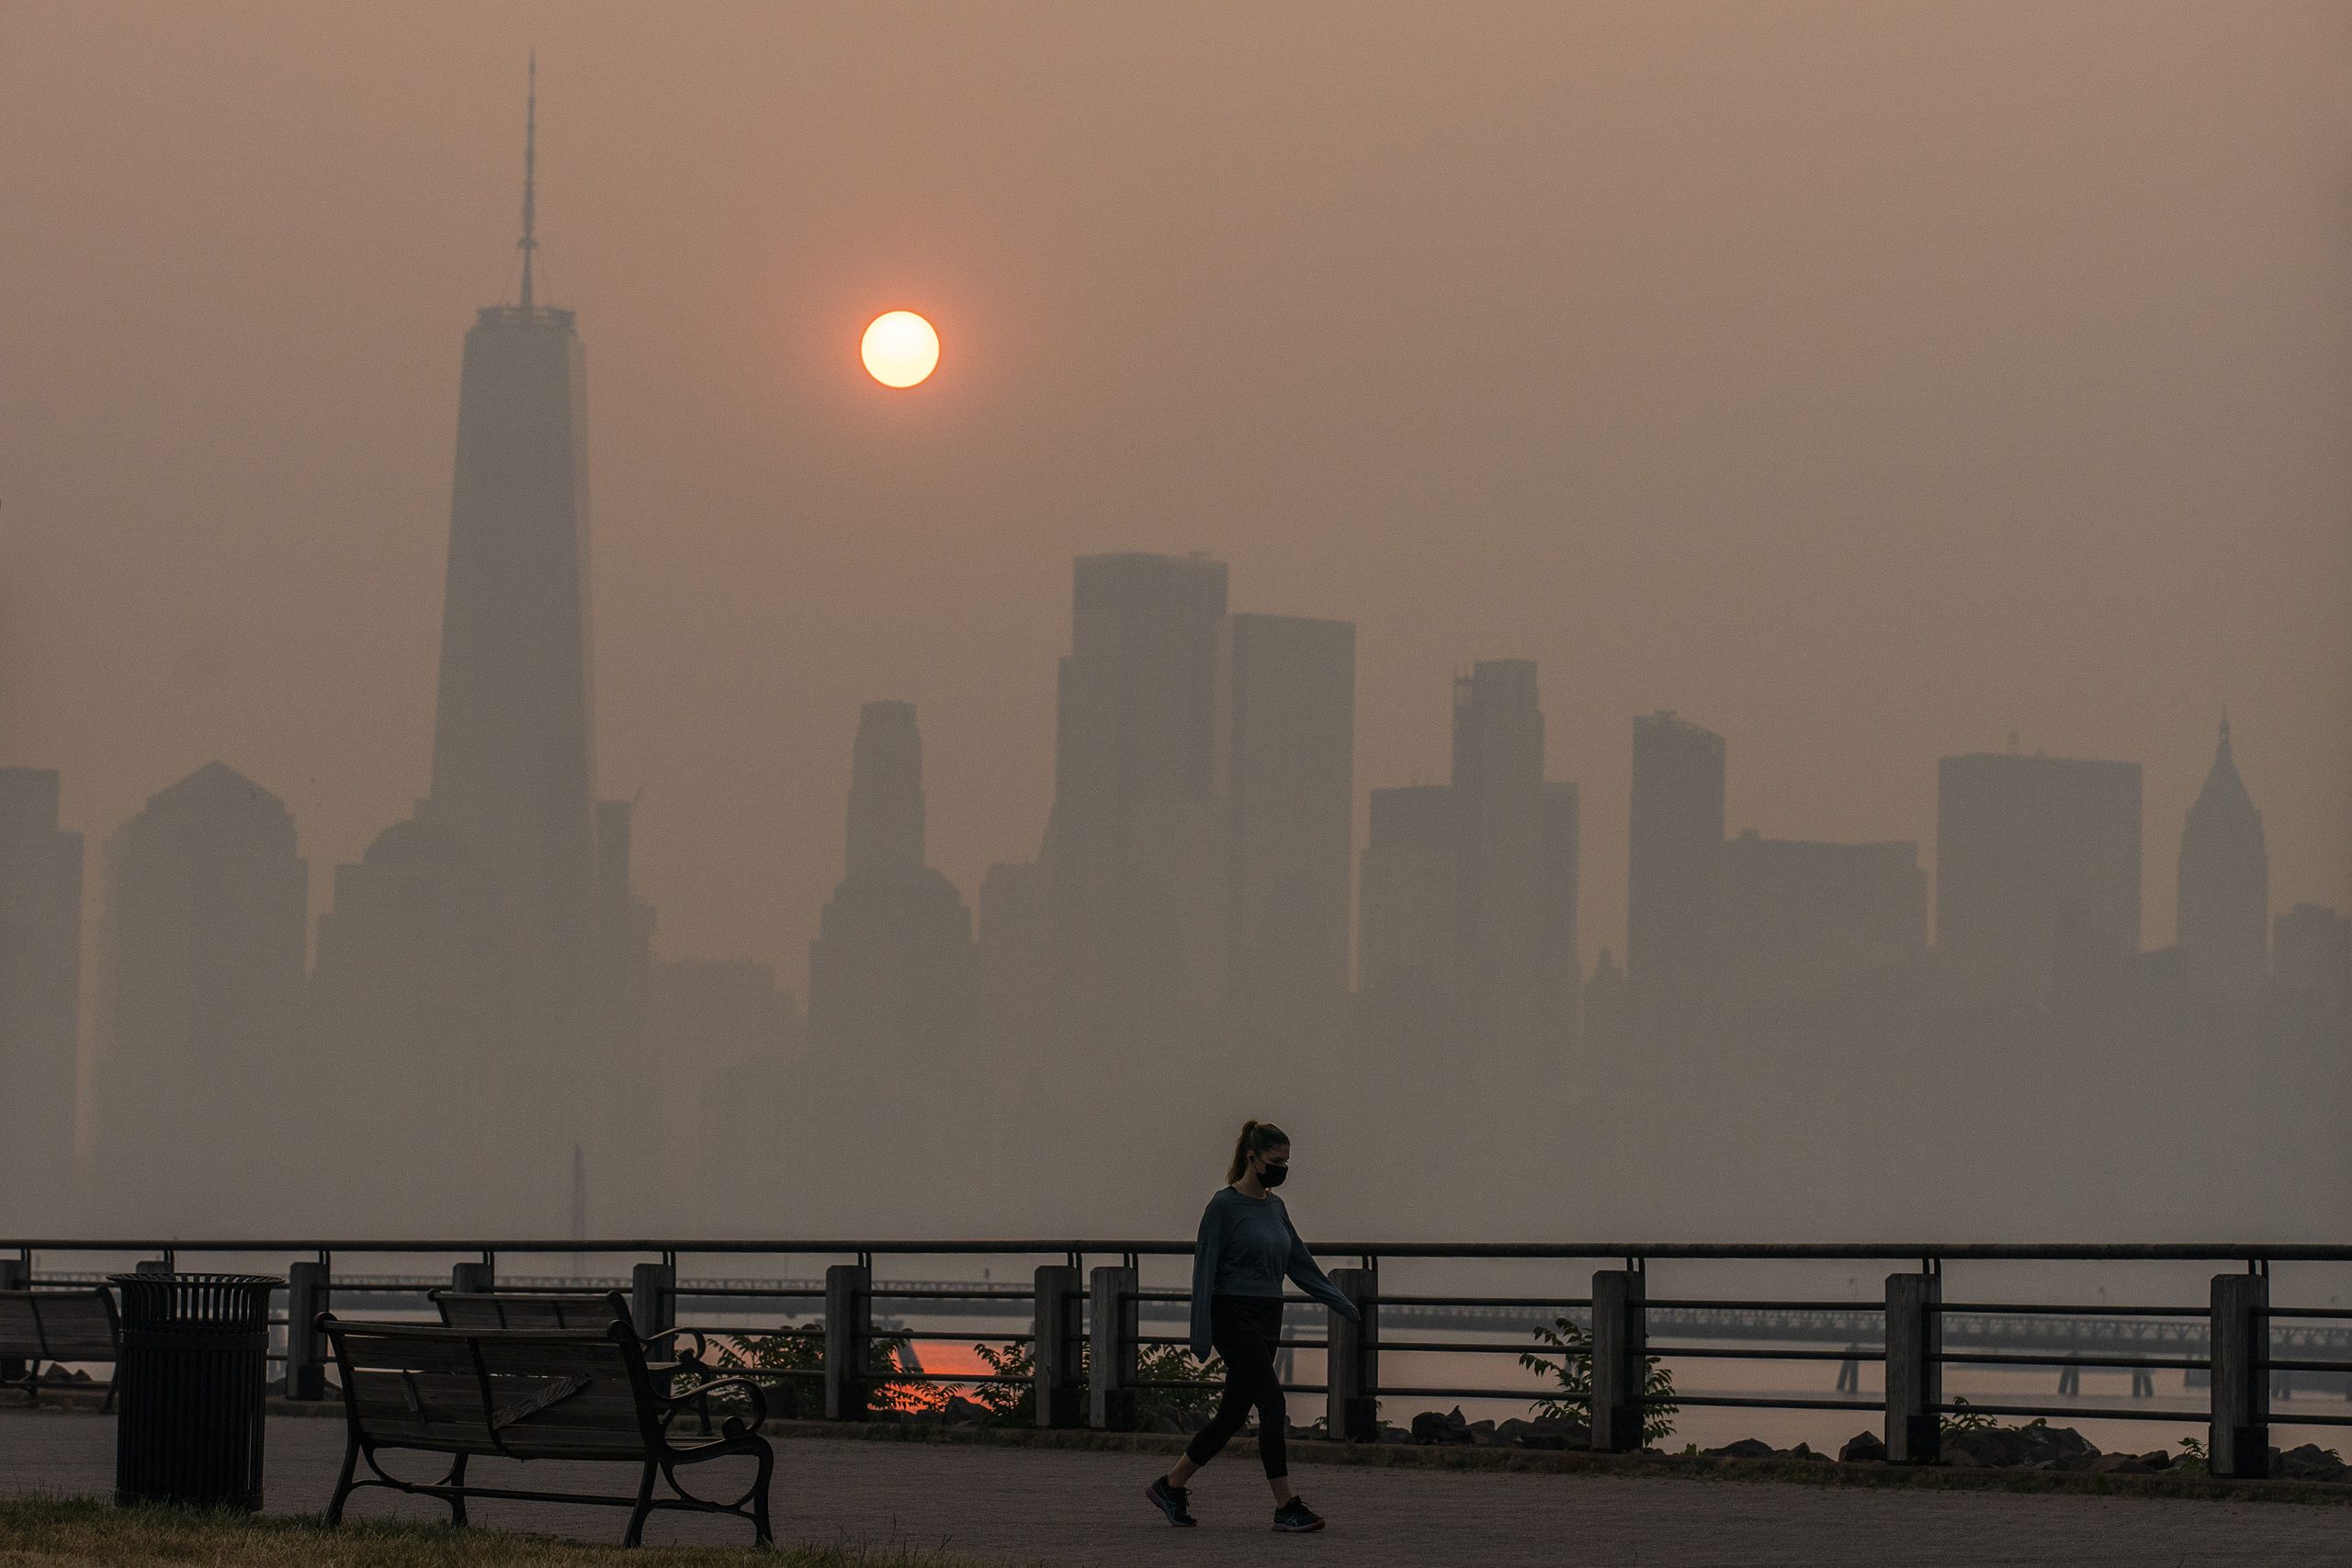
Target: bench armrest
[
  {"x": 675, "y": 1403},
  {"x": 683, "y": 1353}
]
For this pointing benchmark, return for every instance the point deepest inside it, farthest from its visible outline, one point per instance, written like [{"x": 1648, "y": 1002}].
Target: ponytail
[{"x": 1256, "y": 1138}]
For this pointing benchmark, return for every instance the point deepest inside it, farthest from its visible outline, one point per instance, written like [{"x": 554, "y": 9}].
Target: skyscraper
[
  {"x": 893, "y": 981},
  {"x": 2223, "y": 915},
  {"x": 514, "y": 752},
  {"x": 514, "y": 757},
  {"x": 200, "y": 981},
  {"x": 1135, "y": 847},
  {"x": 1498, "y": 801},
  {"x": 1810, "y": 922},
  {"x": 1674, "y": 886},
  {"x": 1289, "y": 758},
  {"x": 2035, "y": 854},
  {"x": 41, "y": 999}
]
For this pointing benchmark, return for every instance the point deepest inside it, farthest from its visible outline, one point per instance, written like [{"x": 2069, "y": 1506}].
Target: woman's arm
[
  {"x": 1308, "y": 1277},
  {"x": 1205, "y": 1251}
]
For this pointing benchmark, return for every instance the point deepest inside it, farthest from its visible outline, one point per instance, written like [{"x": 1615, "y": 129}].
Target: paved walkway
[{"x": 1084, "y": 1510}]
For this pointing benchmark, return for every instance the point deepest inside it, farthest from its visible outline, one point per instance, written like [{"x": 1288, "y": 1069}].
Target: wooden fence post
[
  {"x": 1058, "y": 1346},
  {"x": 1620, "y": 1360},
  {"x": 2239, "y": 1442},
  {"x": 305, "y": 1297},
  {"x": 849, "y": 1339},
  {"x": 1915, "y": 1373},
  {"x": 1112, "y": 1317},
  {"x": 1352, "y": 1362}
]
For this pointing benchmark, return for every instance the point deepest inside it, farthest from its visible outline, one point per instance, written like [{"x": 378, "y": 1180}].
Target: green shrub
[{"x": 1574, "y": 1371}]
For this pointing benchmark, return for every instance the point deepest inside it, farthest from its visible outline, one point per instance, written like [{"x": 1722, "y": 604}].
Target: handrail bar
[{"x": 2094, "y": 1252}]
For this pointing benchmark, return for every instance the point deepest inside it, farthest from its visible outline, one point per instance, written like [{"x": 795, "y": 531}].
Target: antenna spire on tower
[{"x": 530, "y": 171}]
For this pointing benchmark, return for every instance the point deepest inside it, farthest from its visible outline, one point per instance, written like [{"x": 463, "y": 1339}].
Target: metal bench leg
[
  {"x": 343, "y": 1482},
  {"x": 761, "y": 1534},
  {"x": 636, "y": 1536},
  {"x": 457, "y": 1478}
]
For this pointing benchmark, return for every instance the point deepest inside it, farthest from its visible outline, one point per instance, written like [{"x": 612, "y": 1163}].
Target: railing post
[
  {"x": 2239, "y": 1443},
  {"x": 477, "y": 1279},
  {"x": 849, "y": 1325},
  {"x": 1915, "y": 1368},
  {"x": 305, "y": 1297},
  {"x": 1353, "y": 1360},
  {"x": 652, "y": 1298},
  {"x": 1112, "y": 1317},
  {"x": 1620, "y": 1360},
  {"x": 1057, "y": 1347},
  {"x": 16, "y": 1274}
]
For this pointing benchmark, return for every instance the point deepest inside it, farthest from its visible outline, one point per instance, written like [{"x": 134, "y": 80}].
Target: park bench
[
  {"x": 530, "y": 1394},
  {"x": 57, "y": 1326},
  {"x": 586, "y": 1309}
]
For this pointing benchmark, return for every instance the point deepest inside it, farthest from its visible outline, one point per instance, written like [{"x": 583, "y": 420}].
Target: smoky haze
[{"x": 1866, "y": 385}]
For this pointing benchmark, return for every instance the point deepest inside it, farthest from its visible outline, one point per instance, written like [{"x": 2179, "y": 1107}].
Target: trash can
[{"x": 194, "y": 1374}]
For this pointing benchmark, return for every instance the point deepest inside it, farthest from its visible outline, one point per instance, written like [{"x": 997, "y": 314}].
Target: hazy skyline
[{"x": 1865, "y": 384}]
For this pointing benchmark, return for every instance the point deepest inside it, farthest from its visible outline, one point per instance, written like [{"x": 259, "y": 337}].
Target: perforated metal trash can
[{"x": 194, "y": 1374}]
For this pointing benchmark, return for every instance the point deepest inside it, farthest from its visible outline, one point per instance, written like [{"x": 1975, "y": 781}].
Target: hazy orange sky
[{"x": 1865, "y": 381}]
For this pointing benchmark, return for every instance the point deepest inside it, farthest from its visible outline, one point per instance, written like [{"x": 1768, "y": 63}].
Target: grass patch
[{"x": 83, "y": 1532}]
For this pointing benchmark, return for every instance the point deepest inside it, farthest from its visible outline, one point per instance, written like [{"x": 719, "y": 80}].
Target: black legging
[{"x": 1244, "y": 1329}]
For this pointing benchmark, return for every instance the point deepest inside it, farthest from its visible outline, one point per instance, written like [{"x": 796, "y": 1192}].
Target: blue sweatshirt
[{"x": 1246, "y": 1246}]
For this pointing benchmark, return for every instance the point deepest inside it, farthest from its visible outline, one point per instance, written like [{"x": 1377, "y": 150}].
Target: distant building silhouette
[
  {"x": 2224, "y": 913},
  {"x": 1135, "y": 847},
  {"x": 728, "y": 1047},
  {"x": 40, "y": 1001},
  {"x": 200, "y": 992},
  {"x": 1404, "y": 941},
  {"x": 1016, "y": 945},
  {"x": 2312, "y": 955},
  {"x": 893, "y": 977},
  {"x": 1468, "y": 976},
  {"x": 1674, "y": 885},
  {"x": 514, "y": 751},
  {"x": 1559, "y": 993},
  {"x": 1805, "y": 923},
  {"x": 1501, "y": 967},
  {"x": 1289, "y": 751},
  {"x": 412, "y": 1012},
  {"x": 2037, "y": 872}
]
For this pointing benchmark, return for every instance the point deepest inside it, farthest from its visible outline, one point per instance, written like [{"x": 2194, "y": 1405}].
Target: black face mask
[{"x": 1273, "y": 1176}]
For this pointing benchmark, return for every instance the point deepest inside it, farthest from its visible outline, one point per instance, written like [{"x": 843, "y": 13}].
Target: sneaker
[
  {"x": 1295, "y": 1514},
  {"x": 1170, "y": 1500}
]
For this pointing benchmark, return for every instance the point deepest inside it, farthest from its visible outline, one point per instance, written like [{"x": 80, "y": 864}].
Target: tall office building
[
  {"x": 514, "y": 752},
  {"x": 2037, "y": 872},
  {"x": 1805, "y": 923},
  {"x": 201, "y": 991},
  {"x": 1674, "y": 885},
  {"x": 1289, "y": 749},
  {"x": 1500, "y": 806},
  {"x": 2223, "y": 915},
  {"x": 1135, "y": 847},
  {"x": 893, "y": 994},
  {"x": 40, "y": 1001}
]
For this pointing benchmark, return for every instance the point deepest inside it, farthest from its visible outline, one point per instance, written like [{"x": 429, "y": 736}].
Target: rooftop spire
[{"x": 530, "y": 173}]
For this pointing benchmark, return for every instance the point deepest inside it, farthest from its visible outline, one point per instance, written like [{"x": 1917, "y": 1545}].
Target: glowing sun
[{"x": 899, "y": 349}]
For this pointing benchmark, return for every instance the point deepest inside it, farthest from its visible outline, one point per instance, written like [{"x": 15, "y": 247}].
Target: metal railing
[{"x": 1087, "y": 1332}]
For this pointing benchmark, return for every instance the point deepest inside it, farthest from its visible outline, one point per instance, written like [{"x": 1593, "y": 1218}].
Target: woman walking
[{"x": 1246, "y": 1246}]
